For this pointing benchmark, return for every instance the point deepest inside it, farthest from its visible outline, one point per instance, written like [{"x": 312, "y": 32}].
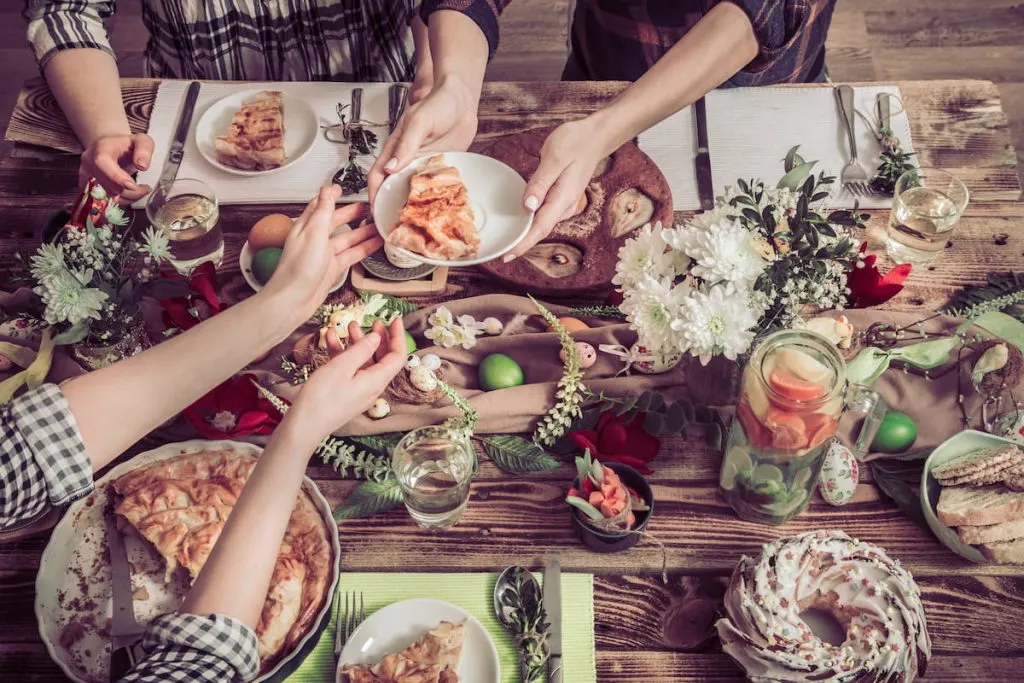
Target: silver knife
[
  {"x": 177, "y": 150},
  {"x": 553, "y": 608},
  {"x": 705, "y": 188},
  {"x": 397, "y": 95},
  {"x": 125, "y": 631},
  {"x": 885, "y": 110}
]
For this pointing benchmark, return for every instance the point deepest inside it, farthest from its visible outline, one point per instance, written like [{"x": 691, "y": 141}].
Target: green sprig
[
  {"x": 571, "y": 392},
  {"x": 598, "y": 312}
]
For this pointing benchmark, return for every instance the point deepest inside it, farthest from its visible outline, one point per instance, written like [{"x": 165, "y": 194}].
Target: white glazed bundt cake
[{"x": 869, "y": 594}]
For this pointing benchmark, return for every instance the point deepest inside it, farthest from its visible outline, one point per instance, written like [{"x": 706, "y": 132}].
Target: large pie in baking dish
[
  {"x": 433, "y": 658},
  {"x": 180, "y": 505}
]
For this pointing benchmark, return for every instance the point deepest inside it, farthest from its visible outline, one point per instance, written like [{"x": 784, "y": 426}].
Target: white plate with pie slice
[
  {"x": 495, "y": 194},
  {"x": 301, "y": 128},
  {"x": 393, "y": 628}
]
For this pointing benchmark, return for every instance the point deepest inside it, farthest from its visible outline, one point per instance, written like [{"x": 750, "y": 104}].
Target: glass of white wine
[
  {"x": 186, "y": 211},
  {"x": 926, "y": 205},
  {"x": 434, "y": 466}
]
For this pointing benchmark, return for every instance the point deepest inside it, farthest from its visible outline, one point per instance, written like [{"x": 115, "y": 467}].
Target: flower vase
[
  {"x": 94, "y": 355},
  {"x": 714, "y": 384}
]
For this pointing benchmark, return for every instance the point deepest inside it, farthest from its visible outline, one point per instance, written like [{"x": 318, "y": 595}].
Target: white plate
[
  {"x": 397, "y": 626},
  {"x": 301, "y": 127},
  {"x": 245, "y": 263},
  {"x": 74, "y": 564},
  {"x": 495, "y": 194}
]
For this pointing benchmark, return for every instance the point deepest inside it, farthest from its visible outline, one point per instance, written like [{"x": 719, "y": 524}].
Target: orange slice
[
  {"x": 793, "y": 388},
  {"x": 787, "y": 430}
]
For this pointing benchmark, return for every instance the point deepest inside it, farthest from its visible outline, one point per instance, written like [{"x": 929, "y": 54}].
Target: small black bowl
[{"x": 602, "y": 542}]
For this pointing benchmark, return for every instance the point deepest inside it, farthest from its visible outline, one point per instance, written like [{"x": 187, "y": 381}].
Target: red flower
[
  {"x": 868, "y": 287},
  {"x": 615, "y": 440},
  {"x": 235, "y": 408},
  {"x": 202, "y": 302}
]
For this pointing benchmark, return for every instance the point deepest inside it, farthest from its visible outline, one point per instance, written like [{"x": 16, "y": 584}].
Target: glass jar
[{"x": 792, "y": 394}]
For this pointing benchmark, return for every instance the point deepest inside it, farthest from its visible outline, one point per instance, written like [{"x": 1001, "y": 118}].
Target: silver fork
[
  {"x": 854, "y": 178},
  {"x": 349, "y": 618}
]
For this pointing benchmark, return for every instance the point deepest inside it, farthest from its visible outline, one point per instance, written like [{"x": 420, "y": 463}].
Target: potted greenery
[{"x": 611, "y": 504}]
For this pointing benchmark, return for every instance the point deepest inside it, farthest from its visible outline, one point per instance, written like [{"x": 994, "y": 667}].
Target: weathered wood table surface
[{"x": 975, "y": 613}]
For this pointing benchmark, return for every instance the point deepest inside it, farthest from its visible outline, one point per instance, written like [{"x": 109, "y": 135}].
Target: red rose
[
  {"x": 202, "y": 302},
  {"x": 615, "y": 440},
  {"x": 868, "y": 287},
  {"x": 235, "y": 408}
]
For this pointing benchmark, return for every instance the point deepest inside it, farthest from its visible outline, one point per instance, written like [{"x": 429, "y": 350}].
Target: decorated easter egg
[
  {"x": 432, "y": 361},
  {"x": 493, "y": 326},
  {"x": 588, "y": 355},
  {"x": 380, "y": 409},
  {"x": 571, "y": 324},
  {"x": 264, "y": 263},
  {"x": 839, "y": 475},
  {"x": 410, "y": 343},
  {"x": 269, "y": 231},
  {"x": 648, "y": 363},
  {"x": 896, "y": 434},
  {"x": 498, "y": 371},
  {"x": 423, "y": 378},
  {"x": 412, "y": 362}
]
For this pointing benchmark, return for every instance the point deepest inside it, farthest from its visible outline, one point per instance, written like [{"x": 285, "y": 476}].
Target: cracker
[
  {"x": 982, "y": 477},
  {"x": 979, "y": 463}
]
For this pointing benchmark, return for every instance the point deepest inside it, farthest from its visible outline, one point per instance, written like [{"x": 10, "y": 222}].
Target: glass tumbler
[
  {"x": 434, "y": 466},
  {"x": 926, "y": 205},
  {"x": 186, "y": 211}
]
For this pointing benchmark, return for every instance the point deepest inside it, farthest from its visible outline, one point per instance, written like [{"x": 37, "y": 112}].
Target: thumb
[
  {"x": 143, "y": 151},
  {"x": 409, "y": 140},
  {"x": 347, "y": 363},
  {"x": 540, "y": 184},
  {"x": 334, "y": 347}
]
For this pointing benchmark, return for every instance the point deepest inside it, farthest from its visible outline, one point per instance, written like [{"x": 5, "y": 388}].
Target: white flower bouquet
[{"x": 750, "y": 264}]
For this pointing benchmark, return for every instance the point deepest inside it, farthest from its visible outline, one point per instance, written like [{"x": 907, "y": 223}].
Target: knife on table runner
[
  {"x": 125, "y": 631},
  {"x": 705, "y": 189},
  {"x": 397, "y": 95},
  {"x": 177, "y": 150},
  {"x": 553, "y": 608}
]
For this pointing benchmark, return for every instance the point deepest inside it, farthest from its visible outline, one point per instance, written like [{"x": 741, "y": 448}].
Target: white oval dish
[
  {"x": 245, "y": 265},
  {"x": 301, "y": 127},
  {"x": 395, "y": 627},
  {"x": 79, "y": 540},
  {"x": 495, "y": 194}
]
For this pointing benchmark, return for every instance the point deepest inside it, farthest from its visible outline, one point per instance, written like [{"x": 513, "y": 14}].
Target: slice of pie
[
  {"x": 255, "y": 138},
  {"x": 437, "y": 220},
  {"x": 179, "y": 505},
  {"x": 434, "y": 658}
]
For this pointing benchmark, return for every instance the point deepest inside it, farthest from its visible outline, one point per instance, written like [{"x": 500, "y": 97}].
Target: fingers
[
  {"x": 351, "y": 238},
  {"x": 390, "y": 363},
  {"x": 142, "y": 153},
  {"x": 350, "y": 213},
  {"x": 355, "y": 333},
  {"x": 110, "y": 175},
  {"x": 334, "y": 347},
  {"x": 355, "y": 356},
  {"x": 543, "y": 179},
  {"x": 559, "y": 204},
  {"x": 351, "y": 255}
]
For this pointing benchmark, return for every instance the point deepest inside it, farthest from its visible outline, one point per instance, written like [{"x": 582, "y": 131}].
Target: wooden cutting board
[{"x": 627, "y": 191}]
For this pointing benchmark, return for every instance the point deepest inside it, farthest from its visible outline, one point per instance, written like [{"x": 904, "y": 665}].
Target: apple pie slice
[
  {"x": 437, "y": 220},
  {"x": 434, "y": 658},
  {"x": 255, "y": 139}
]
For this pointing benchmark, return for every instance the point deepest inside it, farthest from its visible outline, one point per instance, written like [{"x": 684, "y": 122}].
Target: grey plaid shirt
[
  {"x": 43, "y": 462},
  {"x": 244, "y": 40}
]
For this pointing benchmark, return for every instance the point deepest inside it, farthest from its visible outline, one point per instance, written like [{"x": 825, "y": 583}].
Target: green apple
[{"x": 498, "y": 371}]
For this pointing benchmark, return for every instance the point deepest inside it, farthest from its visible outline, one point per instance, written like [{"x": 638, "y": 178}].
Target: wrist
[
  {"x": 465, "y": 92},
  {"x": 283, "y": 310},
  {"x": 610, "y": 129},
  {"x": 110, "y": 129},
  {"x": 294, "y": 436}
]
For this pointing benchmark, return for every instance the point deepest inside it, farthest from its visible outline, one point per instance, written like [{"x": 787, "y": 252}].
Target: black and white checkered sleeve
[
  {"x": 42, "y": 456},
  {"x": 188, "y": 648}
]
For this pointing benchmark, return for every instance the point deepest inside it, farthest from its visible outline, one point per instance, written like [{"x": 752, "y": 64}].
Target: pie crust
[
  {"x": 255, "y": 138},
  {"x": 433, "y": 658}
]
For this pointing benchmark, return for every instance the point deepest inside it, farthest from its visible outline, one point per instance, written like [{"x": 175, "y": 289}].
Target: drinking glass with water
[
  {"x": 186, "y": 211},
  {"x": 434, "y": 466},
  {"x": 926, "y": 205}
]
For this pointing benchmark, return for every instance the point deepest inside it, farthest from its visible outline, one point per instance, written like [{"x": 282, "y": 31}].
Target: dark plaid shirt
[
  {"x": 43, "y": 462},
  {"x": 621, "y": 39}
]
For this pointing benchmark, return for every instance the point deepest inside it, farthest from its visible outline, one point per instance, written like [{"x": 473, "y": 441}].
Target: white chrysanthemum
[
  {"x": 718, "y": 322},
  {"x": 48, "y": 262},
  {"x": 156, "y": 244},
  {"x": 98, "y": 192},
  {"x": 68, "y": 301},
  {"x": 725, "y": 251},
  {"x": 115, "y": 215},
  {"x": 651, "y": 306},
  {"x": 642, "y": 255},
  {"x": 83, "y": 275}
]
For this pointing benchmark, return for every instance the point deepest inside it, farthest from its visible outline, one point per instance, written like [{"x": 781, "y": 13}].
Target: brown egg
[
  {"x": 269, "y": 231},
  {"x": 573, "y": 324}
]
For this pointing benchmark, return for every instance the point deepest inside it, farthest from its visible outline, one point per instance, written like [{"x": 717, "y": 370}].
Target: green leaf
[
  {"x": 1000, "y": 325},
  {"x": 73, "y": 334},
  {"x": 792, "y": 159},
  {"x": 627, "y": 405},
  {"x": 654, "y": 423},
  {"x": 643, "y": 401},
  {"x": 703, "y": 415},
  {"x": 392, "y": 303},
  {"x": 585, "y": 507},
  {"x": 675, "y": 419},
  {"x": 867, "y": 366},
  {"x": 795, "y": 177},
  {"x": 928, "y": 354},
  {"x": 369, "y": 498},
  {"x": 901, "y": 493},
  {"x": 381, "y": 444},
  {"x": 517, "y": 455}
]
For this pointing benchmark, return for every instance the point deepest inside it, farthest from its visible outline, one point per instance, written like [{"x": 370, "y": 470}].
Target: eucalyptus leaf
[
  {"x": 792, "y": 159},
  {"x": 369, "y": 498},
  {"x": 585, "y": 507},
  {"x": 627, "y": 405},
  {"x": 643, "y": 401},
  {"x": 927, "y": 354},
  {"x": 903, "y": 494},
  {"x": 381, "y": 444},
  {"x": 654, "y": 423},
  {"x": 703, "y": 415},
  {"x": 517, "y": 455},
  {"x": 867, "y": 366},
  {"x": 657, "y": 401},
  {"x": 998, "y": 324},
  {"x": 795, "y": 177},
  {"x": 675, "y": 418},
  {"x": 73, "y": 334}
]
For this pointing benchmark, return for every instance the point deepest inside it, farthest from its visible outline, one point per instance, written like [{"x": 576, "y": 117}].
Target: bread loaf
[
  {"x": 979, "y": 506},
  {"x": 1010, "y": 552},
  {"x": 992, "y": 533}
]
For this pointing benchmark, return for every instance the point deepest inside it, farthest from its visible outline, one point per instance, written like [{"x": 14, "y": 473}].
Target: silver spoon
[{"x": 511, "y": 582}]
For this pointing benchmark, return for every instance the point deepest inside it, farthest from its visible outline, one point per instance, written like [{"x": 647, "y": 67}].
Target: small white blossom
[
  {"x": 725, "y": 251},
  {"x": 115, "y": 215},
  {"x": 156, "y": 244},
  {"x": 719, "y": 322}
]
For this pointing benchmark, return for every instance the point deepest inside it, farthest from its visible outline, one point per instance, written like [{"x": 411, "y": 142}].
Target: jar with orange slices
[{"x": 793, "y": 392}]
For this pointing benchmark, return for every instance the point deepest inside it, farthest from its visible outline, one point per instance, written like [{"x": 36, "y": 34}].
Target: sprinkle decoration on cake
[{"x": 869, "y": 594}]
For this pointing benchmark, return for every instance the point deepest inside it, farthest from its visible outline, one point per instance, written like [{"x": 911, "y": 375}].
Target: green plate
[{"x": 964, "y": 442}]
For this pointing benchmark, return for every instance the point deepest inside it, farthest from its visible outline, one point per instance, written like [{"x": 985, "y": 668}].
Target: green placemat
[{"x": 471, "y": 592}]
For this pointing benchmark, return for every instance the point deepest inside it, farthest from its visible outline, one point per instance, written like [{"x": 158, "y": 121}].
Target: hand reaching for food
[{"x": 112, "y": 159}]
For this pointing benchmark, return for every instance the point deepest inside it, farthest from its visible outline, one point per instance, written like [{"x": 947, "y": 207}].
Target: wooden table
[{"x": 974, "y": 613}]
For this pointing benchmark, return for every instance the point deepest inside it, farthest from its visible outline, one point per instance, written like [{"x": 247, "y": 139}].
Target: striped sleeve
[
  {"x": 791, "y": 35},
  {"x": 55, "y": 25},
  {"x": 483, "y": 12}
]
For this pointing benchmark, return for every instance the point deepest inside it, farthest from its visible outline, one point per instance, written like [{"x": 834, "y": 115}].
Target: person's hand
[
  {"x": 352, "y": 380},
  {"x": 112, "y": 159},
  {"x": 444, "y": 121},
  {"x": 567, "y": 162},
  {"x": 421, "y": 86},
  {"x": 316, "y": 252}
]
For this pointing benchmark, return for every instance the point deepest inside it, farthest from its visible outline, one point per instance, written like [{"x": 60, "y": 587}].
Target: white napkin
[
  {"x": 294, "y": 184},
  {"x": 751, "y": 129}
]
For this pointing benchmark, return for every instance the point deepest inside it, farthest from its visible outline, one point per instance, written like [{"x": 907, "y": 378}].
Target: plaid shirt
[
  {"x": 43, "y": 462},
  {"x": 619, "y": 40},
  {"x": 244, "y": 40}
]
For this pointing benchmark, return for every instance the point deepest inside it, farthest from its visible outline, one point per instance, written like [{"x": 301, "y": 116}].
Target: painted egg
[
  {"x": 498, "y": 371},
  {"x": 493, "y": 326},
  {"x": 380, "y": 409},
  {"x": 571, "y": 325},
  {"x": 5, "y": 363},
  {"x": 412, "y": 362},
  {"x": 839, "y": 475},
  {"x": 588, "y": 355},
  {"x": 264, "y": 263},
  {"x": 654, "y": 363},
  {"x": 269, "y": 231},
  {"x": 423, "y": 378},
  {"x": 432, "y": 361},
  {"x": 410, "y": 343},
  {"x": 896, "y": 434}
]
